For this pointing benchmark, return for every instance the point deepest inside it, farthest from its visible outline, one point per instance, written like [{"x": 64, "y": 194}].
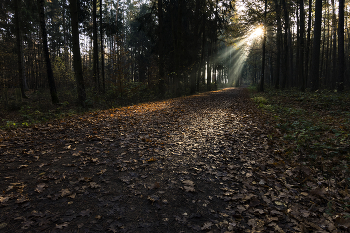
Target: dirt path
[{"x": 200, "y": 163}]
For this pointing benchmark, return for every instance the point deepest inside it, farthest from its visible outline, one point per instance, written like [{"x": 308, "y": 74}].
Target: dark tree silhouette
[{"x": 50, "y": 77}]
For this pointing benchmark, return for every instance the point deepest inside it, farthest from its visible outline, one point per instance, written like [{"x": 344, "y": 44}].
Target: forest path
[{"x": 200, "y": 163}]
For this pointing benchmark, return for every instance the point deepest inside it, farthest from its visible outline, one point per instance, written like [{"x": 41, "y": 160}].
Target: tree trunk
[
  {"x": 286, "y": 45},
  {"x": 95, "y": 68},
  {"x": 102, "y": 52},
  {"x": 209, "y": 45},
  {"x": 315, "y": 65},
  {"x": 340, "y": 84},
  {"x": 52, "y": 85},
  {"x": 327, "y": 60},
  {"x": 161, "y": 49},
  {"x": 301, "y": 59},
  {"x": 334, "y": 53},
  {"x": 76, "y": 53},
  {"x": 19, "y": 43},
  {"x": 279, "y": 37},
  {"x": 308, "y": 42},
  {"x": 262, "y": 80}
]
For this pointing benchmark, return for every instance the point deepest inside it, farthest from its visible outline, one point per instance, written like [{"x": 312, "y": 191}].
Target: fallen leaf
[
  {"x": 252, "y": 222},
  {"x": 22, "y": 199},
  {"x": 152, "y": 159},
  {"x": 60, "y": 226},
  {"x": 102, "y": 171},
  {"x": 3, "y": 225},
  {"x": 40, "y": 187},
  {"x": 85, "y": 212},
  {"x": 94, "y": 185},
  {"x": 188, "y": 182},
  {"x": 65, "y": 192},
  {"x": 4, "y": 199},
  {"x": 153, "y": 198},
  {"x": 241, "y": 208},
  {"x": 207, "y": 226},
  {"x": 189, "y": 189}
]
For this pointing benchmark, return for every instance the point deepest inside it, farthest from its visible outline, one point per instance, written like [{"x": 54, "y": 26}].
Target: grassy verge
[
  {"x": 314, "y": 127},
  {"x": 17, "y": 112}
]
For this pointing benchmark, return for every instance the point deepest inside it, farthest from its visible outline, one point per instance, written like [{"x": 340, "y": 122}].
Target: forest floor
[{"x": 212, "y": 162}]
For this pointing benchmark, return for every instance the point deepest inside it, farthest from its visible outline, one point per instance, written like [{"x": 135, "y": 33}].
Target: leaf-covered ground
[{"x": 205, "y": 163}]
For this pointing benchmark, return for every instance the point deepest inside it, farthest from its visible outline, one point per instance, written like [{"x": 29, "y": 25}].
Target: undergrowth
[
  {"x": 17, "y": 112},
  {"x": 314, "y": 127}
]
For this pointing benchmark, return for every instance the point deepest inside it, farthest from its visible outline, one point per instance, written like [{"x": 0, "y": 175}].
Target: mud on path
[{"x": 204, "y": 163}]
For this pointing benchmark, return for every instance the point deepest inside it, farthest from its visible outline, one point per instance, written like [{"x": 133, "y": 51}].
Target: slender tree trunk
[
  {"x": 95, "y": 68},
  {"x": 262, "y": 80},
  {"x": 286, "y": 45},
  {"x": 308, "y": 43},
  {"x": 203, "y": 49},
  {"x": 340, "y": 84},
  {"x": 76, "y": 53},
  {"x": 302, "y": 32},
  {"x": 279, "y": 38},
  {"x": 327, "y": 60},
  {"x": 52, "y": 85},
  {"x": 322, "y": 76},
  {"x": 102, "y": 52},
  {"x": 21, "y": 74},
  {"x": 315, "y": 65},
  {"x": 161, "y": 49},
  {"x": 209, "y": 47},
  {"x": 296, "y": 79},
  {"x": 334, "y": 41}
]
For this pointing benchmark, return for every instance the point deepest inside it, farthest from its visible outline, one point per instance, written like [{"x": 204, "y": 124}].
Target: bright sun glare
[{"x": 258, "y": 31}]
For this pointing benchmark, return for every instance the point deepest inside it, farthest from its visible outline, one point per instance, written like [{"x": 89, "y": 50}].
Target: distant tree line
[
  {"x": 307, "y": 44},
  {"x": 112, "y": 47}
]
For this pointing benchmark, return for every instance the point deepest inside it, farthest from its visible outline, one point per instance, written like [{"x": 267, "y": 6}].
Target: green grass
[{"x": 314, "y": 127}]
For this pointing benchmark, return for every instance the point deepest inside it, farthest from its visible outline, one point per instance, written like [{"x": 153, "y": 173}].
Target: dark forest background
[{"x": 115, "y": 52}]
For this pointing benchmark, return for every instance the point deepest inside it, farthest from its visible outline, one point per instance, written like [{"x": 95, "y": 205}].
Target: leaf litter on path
[{"x": 199, "y": 163}]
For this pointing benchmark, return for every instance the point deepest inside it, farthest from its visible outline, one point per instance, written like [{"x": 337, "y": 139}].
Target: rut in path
[{"x": 198, "y": 163}]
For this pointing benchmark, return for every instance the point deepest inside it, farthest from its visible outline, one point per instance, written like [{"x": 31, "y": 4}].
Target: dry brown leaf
[
  {"x": 188, "y": 182},
  {"x": 40, "y": 187},
  {"x": 4, "y": 199},
  {"x": 189, "y": 189},
  {"x": 94, "y": 185},
  {"x": 65, "y": 192},
  {"x": 207, "y": 226},
  {"x": 61, "y": 226}
]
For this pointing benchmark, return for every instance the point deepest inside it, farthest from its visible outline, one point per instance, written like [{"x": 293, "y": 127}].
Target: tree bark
[
  {"x": 286, "y": 45},
  {"x": 334, "y": 50},
  {"x": 301, "y": 37},
  {"x": 76, "y": 53},
  {"x": 102, "y": 52},
  {"x": 95, "y": 68},
  {"x": 340, "y": 84},
  {"x": 308, "y": 42},
  {"x": 315, "y": 65},
  {"x": 50, "y": 77},
  {"x": 21, "y": 74},
  {"x": 279, "y": 37},
  {"x": 161, "y": 49},
  {"x": 262, "y": 80}
]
